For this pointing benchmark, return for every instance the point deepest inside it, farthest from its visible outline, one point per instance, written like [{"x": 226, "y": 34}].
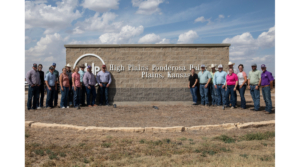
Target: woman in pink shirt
[
  {"x": 64, "y": 88},
  {"x": 230, "y": 88},
  {"x": 76, "y": 87}
]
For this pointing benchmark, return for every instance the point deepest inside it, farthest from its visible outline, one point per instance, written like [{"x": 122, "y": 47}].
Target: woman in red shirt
[
  {"x": 230, "y": 88},
  {"x": 76, "y": 87},
  {"x": 64, "y": 88}
]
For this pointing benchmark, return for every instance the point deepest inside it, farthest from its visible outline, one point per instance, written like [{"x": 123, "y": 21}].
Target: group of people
[
  {"x": 220, "y": 84},
  {"x": 76, "y": 87}
]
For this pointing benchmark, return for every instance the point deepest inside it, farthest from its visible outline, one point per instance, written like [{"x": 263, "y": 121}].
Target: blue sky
[{"x": 248, "y": 25}]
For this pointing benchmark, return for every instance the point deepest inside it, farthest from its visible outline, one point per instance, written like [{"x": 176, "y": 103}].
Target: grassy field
[{"x": 55, "y": 147}]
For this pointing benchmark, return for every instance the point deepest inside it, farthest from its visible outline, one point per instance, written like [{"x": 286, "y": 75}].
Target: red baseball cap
[{"x": 103, "y": 65}]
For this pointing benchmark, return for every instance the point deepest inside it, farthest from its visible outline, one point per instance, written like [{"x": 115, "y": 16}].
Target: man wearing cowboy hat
[
  {"x": 254, "y": 81},
  {"x": 70, "y": 95},
  {"x": 230, "y": 65},
  {"x": 212, "y": 89},
  {"x": 104, "y": 80},
  {"x": 56, "y": 73},
  {"x": 219, "y": 83},
  {"x": 266, "y": 87},
  {"x": 82, "y": 91},
  {"x": 204, "y": 80},
  {"x": 89, "y": 81}
]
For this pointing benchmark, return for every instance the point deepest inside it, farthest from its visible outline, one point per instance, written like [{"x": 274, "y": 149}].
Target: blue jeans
[
  {"x": 40, "y": 101},
  {"x": 90, "y": 92},
  {"x": 194, "y": 93},
  {"x": 64, "y": 94},
  {"x": 267, "y": 97},
  {"x": 221, "y": 95},
  {"x": 76, "y": 97},
  {"x": 55, "y": 97},
  {"x": 50, "y": 96},
  {"x": 33, "y": 92},
  {"x": 255, "y": 96},
  {"x": 70, "y": 96},
  {"x": 204, "y": 94},
  {"x": 242, "y": 95},
  {"x": 213, "y": 94},
  {"x": 103, "y": 94},
  {"x": 230, "y": 90},
  {"x": 82, "y": 93}
]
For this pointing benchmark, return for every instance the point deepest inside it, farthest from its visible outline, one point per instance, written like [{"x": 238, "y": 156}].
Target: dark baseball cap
[
  {"x": 51, "y": 68},
  {"x": 54, "y": 64},
  {"x": 89, "y": 67},
  {"x": 34, "y": 65},
  {"x": 263, "y": 66}
]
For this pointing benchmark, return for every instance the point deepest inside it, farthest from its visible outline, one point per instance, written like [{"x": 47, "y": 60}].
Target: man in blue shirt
[
  {"x": 104, "y": 80},
  {"x": 82, "y": 91},
  {"x": 56, "y": 73},
  {"x": 219, "y": 83},
  {"x": 51, "y": 84},
  {"x": 204, "y": 80}
]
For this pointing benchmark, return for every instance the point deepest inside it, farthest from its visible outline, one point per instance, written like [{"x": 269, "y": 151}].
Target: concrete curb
[{"x": 226, "y": 126}]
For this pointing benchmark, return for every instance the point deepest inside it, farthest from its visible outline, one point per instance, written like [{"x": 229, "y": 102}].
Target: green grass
[
  {"x": 183, "y": 139},
  {"x": 62, "y": 154},
  {"x": 258, "y": 136},
  {"x": 106, "y": 145},
  {"x": 39, "y": 152},
  {"x": 85, "y": 160},
  {"x": 142, "y": 141},
  {"x": 53, "y": 156},
  {"x": 225, "y": 139},
  {"x": 244, "y": 155},
  {"x": 26, "y": 135}
]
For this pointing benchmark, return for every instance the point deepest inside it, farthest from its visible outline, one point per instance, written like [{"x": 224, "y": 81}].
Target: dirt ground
[
  {"x": 146, "y": 115},
  {"x": 236, "y": 147}
]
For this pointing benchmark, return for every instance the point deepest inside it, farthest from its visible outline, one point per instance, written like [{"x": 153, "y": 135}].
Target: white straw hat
[
  {"x": 213, "y": 65},
  {"x": 230, "y": 63},
  {"x": 68, "y": 65}
]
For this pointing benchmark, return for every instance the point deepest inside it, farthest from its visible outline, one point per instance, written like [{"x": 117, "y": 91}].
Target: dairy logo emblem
[{"x": 95, "y": 69}]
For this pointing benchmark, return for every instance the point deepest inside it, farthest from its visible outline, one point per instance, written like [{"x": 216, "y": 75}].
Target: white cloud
[
  {"x": 150, "y": 38},
  {"x": 96, "y": 23},
  {"x": 28, "y": 40},
  {"x": 124, "y": 36},
  {"x": 202, "y": 20},
  {"x": 164, "y": 41},
  {"x": 47, "y": 50},
  {"x": 246, "y": 45},
  {"x": 52, "y": 18},
  {"x": 187, "y": 37},
  {"x": 153, "y": 38},
  {"x": 101, "y": 5},
  {"x": 147, "y": 7},
  {"x": 221, "y": 16}
]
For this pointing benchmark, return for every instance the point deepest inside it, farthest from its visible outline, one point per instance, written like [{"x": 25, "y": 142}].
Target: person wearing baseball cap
[
  {"x": 212, "y": 89},
  {"x": 56, "y": 73},
  {"x": 82, "y": 91},
  {"x": 219, "y": 83},
  {"x": 89, "y": 81},
  {"x": 70, "y": 93},
  {"x": 266, "y": 87},
  {"x": 204, "y": 80},
  {"x": 51, "y": 85},
  {"x": 104, "y": 80},
  {"x": 34, "y": 81},
  {"x": 254, "y": 81}
]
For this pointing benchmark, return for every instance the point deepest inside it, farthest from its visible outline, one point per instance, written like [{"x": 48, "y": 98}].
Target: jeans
[
  {"x": 40, "y": 101},
  {"x": 55, "y": 98},
  {"x": 76, "y": 97},
  {"x": 103, "y": 94},
  {"x": 64, "y": 94},
  {"x": 230, "y": 90},
  {"x": 33, "y": 92},
  {"x": 50, "y": 96},
  {"x": 213, "y": 93},
  {"x": 82, "y": 94},
  {"x": 194, "y": 93},
  {"x": 70, "y": 97},
  {"x": 90, "y": 92},
  {"x": 221, "y": 95},
  {"x": 204, "y": 94},
  {"x": 267, "y": 97},
  {"x": 255, "y": 96},
  {"x": 242, "y": 95}
]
